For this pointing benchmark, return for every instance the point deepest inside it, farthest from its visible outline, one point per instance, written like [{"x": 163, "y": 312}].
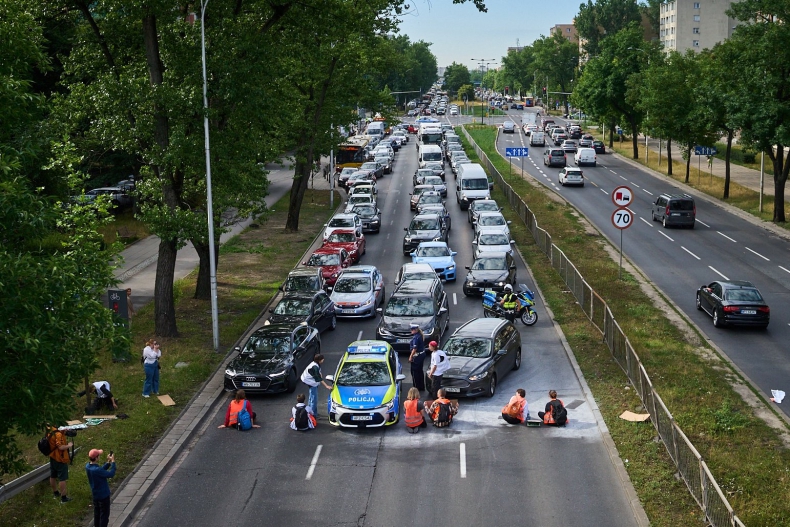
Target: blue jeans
[
  {"x": 151, "y": 378},
  {"x": 312, "y": 399}
]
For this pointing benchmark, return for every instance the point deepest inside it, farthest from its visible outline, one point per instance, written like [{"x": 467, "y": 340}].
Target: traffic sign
[
  {"x": 622, "y": 218},
  {"x": 705, "y": 150},
  {"x": 621, "y": 196},
  {"x": 517, "y": 152}
]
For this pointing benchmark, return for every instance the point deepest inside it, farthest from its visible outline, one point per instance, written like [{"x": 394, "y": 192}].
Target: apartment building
[
  {"x": 566, "y": 30},
  {"x": 695, "y": 24}
]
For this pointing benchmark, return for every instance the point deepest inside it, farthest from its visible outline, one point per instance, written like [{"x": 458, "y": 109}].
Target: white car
[
  {"x": 365, "y": 187},
  {"x": 585, "y": 156},
  {"x": 491, "y": 220},
  {"x": 342, "y": 221},
  {"x": 453, "y": 111},
  {"x": 571, "y": 176},
  {"x": 359, "y": 199},
  {"x": 490, "y": 240},
  {"x": 404, "y": 137},
  {"x": 529, "y": 128},
  {"x": 384, "y": 151}
]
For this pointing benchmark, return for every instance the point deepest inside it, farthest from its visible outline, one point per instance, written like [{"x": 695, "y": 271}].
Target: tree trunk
[
  {"x": 611, "y": 136},
  {"x": 688, "y": 162},
  {"x": 727, "y": 165},
  {"x": 164, "y": 304},
  {"x": 635, "y": 139},
  {"x": 298, "y": 189},
  {"x": 669, "y": 156},
  {"x": 203, "y": 286},
  {"x": 780, "y": 179}
]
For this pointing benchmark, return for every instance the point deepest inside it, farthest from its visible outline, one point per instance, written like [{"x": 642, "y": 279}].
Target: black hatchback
[
  {"x": 482, "y": 352},
  {"x": 735, "y": 302},
  {"x": 313, "y": 309}
]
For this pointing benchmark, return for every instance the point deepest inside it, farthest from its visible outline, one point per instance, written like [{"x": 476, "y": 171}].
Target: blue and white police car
[{"x": 367, "y": 386}]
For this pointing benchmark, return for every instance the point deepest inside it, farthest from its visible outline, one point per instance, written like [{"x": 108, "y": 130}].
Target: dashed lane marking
[
  {"x": 758, "y": 254},
  {"x": 718, "y": 273},
  {"x": 650, "y": 224},
  {"x": 314, "y": 462},
  {"x": 462, "y": 452},
  {"x": 691, "y": 253},
  {"x": 726, "y": 236},
  {"x": 665, "y": 236},
  {"x": 705, "y": 224}
]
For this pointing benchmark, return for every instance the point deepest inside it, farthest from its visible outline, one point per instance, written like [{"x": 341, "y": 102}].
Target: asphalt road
[
  {"x": 479, "y": 471},
  {"x": 679, "y": 261}
]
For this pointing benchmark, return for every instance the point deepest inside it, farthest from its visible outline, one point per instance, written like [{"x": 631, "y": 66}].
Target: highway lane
[
  {"x": 722, "y": 246},
  {"x": 459, "y": 475}
]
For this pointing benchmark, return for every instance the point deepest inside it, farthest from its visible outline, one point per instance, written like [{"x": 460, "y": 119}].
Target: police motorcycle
[{"x": 525, "y": 309}]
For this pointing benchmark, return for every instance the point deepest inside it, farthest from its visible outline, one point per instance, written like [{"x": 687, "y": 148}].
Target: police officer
[
  {"x": 508, "y": 303},
  {"x": 417, "y": 357}
]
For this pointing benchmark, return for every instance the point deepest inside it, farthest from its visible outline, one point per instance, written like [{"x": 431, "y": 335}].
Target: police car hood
[
  {"x": 363, "y": 397},
  {"x": 252, "y": 364},
  {"x": 465, "y": 366}
]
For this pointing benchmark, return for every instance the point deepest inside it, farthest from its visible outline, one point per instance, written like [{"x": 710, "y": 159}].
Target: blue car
[{"x": 439, "y": 256}]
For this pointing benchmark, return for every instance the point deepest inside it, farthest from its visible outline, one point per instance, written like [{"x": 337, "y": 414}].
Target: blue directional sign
[
  {"x": 705, "y": 150},
  {"x": 517, "y": 152}
]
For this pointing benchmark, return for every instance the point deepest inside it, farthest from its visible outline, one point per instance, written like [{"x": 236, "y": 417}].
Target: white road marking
[
  {"x": 783, "y": 269},
  {"x": 602, "y": 190},
  {"x": 359, "y": 335},
  {"x": 463, "y": 459},
  {"x": 758, "y": 254},
  {"x": 621, "y": 177},
  {"x": 665, "y": 236},
  {"x": 691, "y": 253},
  {"x": 313, "y": 462},
  {"x": 718, "y": 273},
  {"x": 613, "y": 172},
  {"x": 726, "y": 236},
  {"x": 391, "y": 222},
  {"x": 388, "y": 236},
  {"x": 650, "y": 224},
  {"x": 634, "y": 184},
  {"x": 705, "y": 224},
  {"x": 645, "y": 190},
  {"x": 455, "y": 299}
]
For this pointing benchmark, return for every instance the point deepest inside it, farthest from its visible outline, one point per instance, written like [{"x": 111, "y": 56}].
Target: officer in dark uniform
[{"x": 417, "y": 357}]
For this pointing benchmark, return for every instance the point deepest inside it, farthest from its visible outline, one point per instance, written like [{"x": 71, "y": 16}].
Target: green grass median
[
  {"x": 747, "y": 457},
  {"x": 251, "y": 267}
]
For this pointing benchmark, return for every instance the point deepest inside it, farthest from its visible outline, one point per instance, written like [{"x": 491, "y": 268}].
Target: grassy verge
[
  {"x": 127, "y": 224},
  {"x": 739, "y": 156},
  {"x": 741, "y": 197},
  {"x": 251, "y": 267},
  {"x": 475, "y": 109},
  {"x": 746, "y": 456}
]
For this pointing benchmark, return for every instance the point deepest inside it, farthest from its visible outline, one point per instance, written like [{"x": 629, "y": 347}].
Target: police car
[{"x": 367, "y": 386}]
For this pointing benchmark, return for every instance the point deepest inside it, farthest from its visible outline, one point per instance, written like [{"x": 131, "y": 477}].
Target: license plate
[
  {"x": 250, "y": 385},
  {"x": 481, "y": 289},
  {"x": 403, "y": 341},
  {"x": 347, "y": 311},
  {"x": 450, "y": 389},
  {"x": 748, "y": 312},
  {"x": 361, "y": 417}
]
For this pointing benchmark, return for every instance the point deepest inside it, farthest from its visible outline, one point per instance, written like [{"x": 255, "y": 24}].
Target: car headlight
[
  {"x": 334, "y": 275},
  {"x": 407, "y": 239},
  {"x": 500, "y": 284},
  {"x": 470, "y": 283},
  {"x": 384, "y": 333},
  {"x": 438, "y": 238},
  {"x": 366, "y": 302},
  {"x": 450, "y": 268},
  {"x": 230, "y": 372},
  {"x": 332, "y": 406},
  {"x": 390, "y": 405},
  {"x": 479, "y": 376},
  {"x": 275, "y": 375}
]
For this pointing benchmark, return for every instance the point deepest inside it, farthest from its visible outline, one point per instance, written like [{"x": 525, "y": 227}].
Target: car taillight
[
  {"x": 731, "y": 309},
  {"x": 667, "y": 211},
  {"x": 764, "y": 309},
  {"x": 695, "y": 210}
]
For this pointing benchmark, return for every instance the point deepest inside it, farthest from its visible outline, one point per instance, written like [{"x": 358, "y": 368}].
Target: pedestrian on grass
[
  {"x": 234, "y": 407},
  {"x": 516, "y": 411},
  {"x": 104, "y": 401},
  {"x": 417, "y": 358},
  {"x": 59, "y": 463},
  {"x": 151, "y": 355},
  {"x": 312, "y": 377},
  {"x": 100, "y": 488},
  {"x": 439, "y": 364}
]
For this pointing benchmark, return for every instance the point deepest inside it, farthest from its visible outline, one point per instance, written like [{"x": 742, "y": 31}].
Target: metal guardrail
[
  {"x": 689, "y": 463},
  {"x": 24, "y": 482}
]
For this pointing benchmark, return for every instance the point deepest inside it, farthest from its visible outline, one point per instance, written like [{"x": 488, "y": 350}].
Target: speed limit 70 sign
[{"x": 622, "y": 218}]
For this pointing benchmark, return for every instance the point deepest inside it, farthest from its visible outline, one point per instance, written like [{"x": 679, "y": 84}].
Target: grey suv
[
  {"x": 421, "y": 302},
  {"x": 675, "y": 210},
  {"x": 554, "y": 157}
]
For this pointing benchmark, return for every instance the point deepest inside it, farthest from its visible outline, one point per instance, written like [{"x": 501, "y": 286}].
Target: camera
[{"x": 70, "y": 433}]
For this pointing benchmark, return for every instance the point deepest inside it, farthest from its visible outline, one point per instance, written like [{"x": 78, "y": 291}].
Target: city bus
[
  {"x": 352, "y": 152},
  {"x": 529, "y": 102}
]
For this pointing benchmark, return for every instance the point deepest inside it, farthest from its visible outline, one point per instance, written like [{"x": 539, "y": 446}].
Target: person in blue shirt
[
  {"x": 97, "y": 479},
  {"x": 417, "y": 357}
]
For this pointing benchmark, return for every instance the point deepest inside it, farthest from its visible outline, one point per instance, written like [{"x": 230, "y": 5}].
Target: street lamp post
[
  {"x": 209, "y": 201},
  {"x": 483, "y": 63}
]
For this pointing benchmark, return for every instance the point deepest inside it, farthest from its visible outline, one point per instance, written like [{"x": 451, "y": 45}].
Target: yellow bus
[{"x": 352, "y": 153}]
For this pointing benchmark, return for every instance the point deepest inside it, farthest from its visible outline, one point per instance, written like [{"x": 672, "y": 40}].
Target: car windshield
[
  {"x": 341, "y": 222},
  {"x": 491, "y": 220},
  {"x": 433, "y": 180},
  {"x": 383, "y": 159},
  {"x": 432, "y": 156},
  {"x": 324, "y": 259},
  {"x": 364, "y": 374},
  {"x": 267, "y": 347},
  {"x": 370, "y": 166},
  {"x": 409, "y": 306},
  {"x": 743, "y": 295},
  {"x": 478, "y": 348},
  {"x": 430, "y": 199},
  {"x": 493, "y": 239},
  {"x": 293, "y": 306},
  {"x": 353, "y": 284},
  {"x": 572, "y": 172},
  {"x": 301, "y": 283},
  {"x": 363, "y": 198},
  {"x": 474, "y": 184},
  {"x": 434, "y": 166},
  {"x": 426, "y": 224},
  {"x": 433, "y": 252},
  {"x": 423, "y": 172},
  {"x": 364, "y": 210},
  {"x": 341, "y": 237},
  {"x": 481, "y": 206},
  {"x": 489, "y": 264},
  {"x": 347, "y": 171}
]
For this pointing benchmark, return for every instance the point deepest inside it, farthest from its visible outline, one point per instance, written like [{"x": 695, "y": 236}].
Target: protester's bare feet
[
  {"x": 256, "y": 426},
  {"x": 221, "y": 426}
]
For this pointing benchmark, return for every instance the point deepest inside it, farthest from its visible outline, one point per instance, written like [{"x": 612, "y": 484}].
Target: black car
[
  {"x": 437, "y": 167},
  {"x": 303, "y": 279},
  {"x": 374, "y": 167},
  {"x": 314, "y": 309},
  {"x": 421, "y": 302},
  {"x": 428, "y": 198},
  {"x": 441, "y": 210},
  {"x": 599, "y": 147},
  {"x": 481, "y": 353},
  {"x": 370, "y": 216},
  {"x": 424, "y": 228},
  {"x": 272, "y": 359},
  {"x": 490, "y": 271},
  {"x": 421, "y": 174},
  {"x": 735, "y": 302}
]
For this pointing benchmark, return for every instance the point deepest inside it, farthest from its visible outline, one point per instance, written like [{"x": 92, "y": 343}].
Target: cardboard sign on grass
[
  {"x": 166, "y": 400},
  {"x": 634, "y": 418}
]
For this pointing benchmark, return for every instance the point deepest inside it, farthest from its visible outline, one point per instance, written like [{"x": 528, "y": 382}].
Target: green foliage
[
  {"x": 599, "y": 20},
  {"x": 468, "y": 91},
  {"x": 455, "y": 76},
  {"x": 729, "y": 419}
]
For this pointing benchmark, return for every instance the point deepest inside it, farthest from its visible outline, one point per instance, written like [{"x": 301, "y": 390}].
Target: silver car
[
  {"x": 490, "y": 240},
  {"x": 358, "y": 291}
]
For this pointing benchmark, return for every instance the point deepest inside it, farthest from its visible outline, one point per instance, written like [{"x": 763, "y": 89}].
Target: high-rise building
[
  {"x": 695, "y": 24},
  {"x": 566, "y": 30}
]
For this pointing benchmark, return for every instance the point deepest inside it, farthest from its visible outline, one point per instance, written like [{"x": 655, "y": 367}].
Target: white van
[
  {"x": 537, "y": 138},
  {"x": 429, "y": 153},
  {"x": 375, "y": 128},
  {"x": 471, "y": 184}
]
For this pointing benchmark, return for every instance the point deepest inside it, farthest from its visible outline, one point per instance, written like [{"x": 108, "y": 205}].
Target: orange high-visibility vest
[
  {"x": 412, "y": 417},
  {"x": 235, "y": 408},
  {"x": 436, "y": 411}
]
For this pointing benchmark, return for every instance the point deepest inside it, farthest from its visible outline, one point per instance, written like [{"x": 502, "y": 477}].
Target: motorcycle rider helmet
[{"x": 508, "y": 288}]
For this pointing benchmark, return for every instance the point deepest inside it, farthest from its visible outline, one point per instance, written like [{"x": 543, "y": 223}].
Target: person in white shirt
[
  {"x": 439, "y": 365},
  {"x": 151, "y": 355}
]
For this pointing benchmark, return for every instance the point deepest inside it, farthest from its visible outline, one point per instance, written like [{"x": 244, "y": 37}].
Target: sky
[{"x": 460, "y": 33}]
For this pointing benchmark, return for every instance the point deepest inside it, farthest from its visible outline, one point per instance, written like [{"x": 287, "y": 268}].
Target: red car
[
  {"x": 331, "y": 260},
  {"x": 351, "y": 241},
  {"x": 412, "y": 129}
]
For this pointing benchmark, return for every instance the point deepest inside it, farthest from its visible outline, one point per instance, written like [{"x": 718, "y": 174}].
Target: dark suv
[
  {"x": 424, "y": 228},
  {"x": 481, "y": 353},
  {"x": 675, "y": 210},
  {"x": 421, "y": 302}
]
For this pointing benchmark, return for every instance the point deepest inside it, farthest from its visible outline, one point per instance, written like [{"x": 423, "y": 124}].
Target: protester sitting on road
[
  {"x": 442, "y": 410},
  {"x": 232, "y": 413},
  {"x": 516, "y": 411},
  {"x": 414, "y": 412},
  {"x": 555, "y": 414},
  {"x": 302, "y": 418}
]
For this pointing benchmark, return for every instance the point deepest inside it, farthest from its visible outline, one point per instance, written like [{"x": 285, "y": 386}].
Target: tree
[
  {"x": 602, "y": 19},
  {"x": 519, "y": 69},
  {"x": 557, "y": 58},
  {"x": 468, "y": 91},
  {"x": 455, "y": 76}
]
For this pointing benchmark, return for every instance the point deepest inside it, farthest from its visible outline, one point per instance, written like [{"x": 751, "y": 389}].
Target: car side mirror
[
  {"x": 474, "y": 242},
  {"x": 453, "y": 253},
  {"x": 304, "y": 263},
  {"x": 406, "y": 229},
  {"x": 501, "y": 352},
  {"x": 512, "y": 266},
  {"x": 468, "y": 268},
  {"x": 379, "y": 310},
  {"x": 512, "y": 242},
  {"x": 237, "y": 348},
  {"x": 442, "y": 310},
  {"x": 282, "y": 287},
  {"x": 330, "y": 378},
  {"x": 400, "y": 377},
  {"x": 509, "y": 222},
  {"x": 412, "y": 254}
]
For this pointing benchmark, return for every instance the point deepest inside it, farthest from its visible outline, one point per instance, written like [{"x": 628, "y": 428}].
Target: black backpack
[
  {"x": 444, "y": 416},
  {"x": 44, "y": 446},
  {"x": 559, "y": 413},
  {"x": 301, "y": 419}
]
